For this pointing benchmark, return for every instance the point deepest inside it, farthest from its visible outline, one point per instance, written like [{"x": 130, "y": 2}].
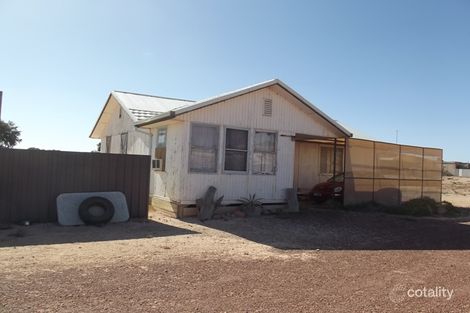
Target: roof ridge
[{"x": 146, "y": 95}]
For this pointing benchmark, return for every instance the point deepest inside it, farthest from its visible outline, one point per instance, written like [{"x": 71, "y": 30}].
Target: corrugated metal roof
[
  {"x": 148, "y": 109},
  {"x": 145, "y": 106}
]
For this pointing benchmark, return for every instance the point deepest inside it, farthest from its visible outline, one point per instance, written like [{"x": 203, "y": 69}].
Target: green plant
[
  {"x": 9, "y": 134},
  {"x": 251, "y": 205}
]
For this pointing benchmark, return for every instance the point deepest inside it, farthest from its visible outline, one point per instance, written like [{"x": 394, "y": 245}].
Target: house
[
  {"x": 456, "y": 169},
  {"x": 262, "y": 139}
]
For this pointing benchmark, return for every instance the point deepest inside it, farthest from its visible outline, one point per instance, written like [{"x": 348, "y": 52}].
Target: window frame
[
  {"x": 248, "y": 151},
  {"x": 276, "y": 145},
  {"x": 157, "y": 146},
  {"x": 107, "y": 143},
  {"x": 320, "y": 160},
  {"x": 217, "y": 127},
  {"x": 125, "y": 135}
]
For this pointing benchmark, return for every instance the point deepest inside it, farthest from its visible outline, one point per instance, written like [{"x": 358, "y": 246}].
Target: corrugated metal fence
[{"x": 31, "y": 180}]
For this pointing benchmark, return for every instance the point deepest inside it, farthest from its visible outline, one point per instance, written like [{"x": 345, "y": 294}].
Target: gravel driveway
[{"x": 317, "y": 261}]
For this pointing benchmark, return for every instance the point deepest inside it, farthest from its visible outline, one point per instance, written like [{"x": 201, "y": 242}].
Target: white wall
[
  {"x": 464, "y": 172},
  {"x": 289, "y": 117},
  {"x": 167, "y": 184},
  {"x": 138, "y": 141}
]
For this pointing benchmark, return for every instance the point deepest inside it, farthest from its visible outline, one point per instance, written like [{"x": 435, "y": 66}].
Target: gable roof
[
  {"x": 141, "y": 107},
  {"x": 236, "y": 93}
]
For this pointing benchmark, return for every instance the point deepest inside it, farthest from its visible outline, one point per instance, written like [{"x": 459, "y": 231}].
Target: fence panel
[
  {"x": 390, "y": 173},
  {"x": 31, "y": 180}
]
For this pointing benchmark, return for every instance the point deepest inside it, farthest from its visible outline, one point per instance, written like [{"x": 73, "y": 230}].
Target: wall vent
[{"x": 268, "y": 107}]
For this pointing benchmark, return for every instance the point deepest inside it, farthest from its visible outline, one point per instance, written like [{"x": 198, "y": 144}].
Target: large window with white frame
[
  {"x": 236, "y": 150},
  {"x": 264, "y": 153},
  {"x": 204, "y": 143}
]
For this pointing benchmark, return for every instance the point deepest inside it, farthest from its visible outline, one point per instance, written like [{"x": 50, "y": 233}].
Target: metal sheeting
[
  {"x": 145, "y": 106},
  {"x": 390, "y": 173},
  {"x": 31, "y": 180}
]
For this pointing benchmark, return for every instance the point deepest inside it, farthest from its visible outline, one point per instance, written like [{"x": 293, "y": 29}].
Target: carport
[
  {"x": 316, "y": 160},
  {"x": 374, "y": 171}
]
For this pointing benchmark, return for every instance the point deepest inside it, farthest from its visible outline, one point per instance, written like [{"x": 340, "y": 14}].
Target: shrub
[
  {"x": 419, "y": 207},
  {"x": 251, "y": 206}
]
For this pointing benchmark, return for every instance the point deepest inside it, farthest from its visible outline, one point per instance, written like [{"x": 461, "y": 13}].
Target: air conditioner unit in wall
[{"x": 157, "y": 164}]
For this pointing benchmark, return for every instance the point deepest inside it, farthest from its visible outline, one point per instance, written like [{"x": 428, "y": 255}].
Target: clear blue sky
[{"x": 376, "y": 66}]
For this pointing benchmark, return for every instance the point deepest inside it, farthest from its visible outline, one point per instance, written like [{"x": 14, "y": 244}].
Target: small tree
[{"x": 9, "y": 134}]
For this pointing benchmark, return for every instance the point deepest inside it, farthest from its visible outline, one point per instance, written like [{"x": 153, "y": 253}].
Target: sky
[{"x": 374, "y": 66}]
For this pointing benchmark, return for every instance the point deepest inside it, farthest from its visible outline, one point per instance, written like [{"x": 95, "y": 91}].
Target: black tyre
[
  {"x": 319, "y": 200},
  {"x": 96, "y": 210}
]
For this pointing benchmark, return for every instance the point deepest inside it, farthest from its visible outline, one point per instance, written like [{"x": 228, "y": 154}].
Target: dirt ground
[
  {"x": 316, "y": 261},
  {"x": 456, "y": 190}
]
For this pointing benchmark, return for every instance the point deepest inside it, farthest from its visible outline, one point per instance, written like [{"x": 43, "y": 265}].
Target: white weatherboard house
[{"x": 262, "y": 139}]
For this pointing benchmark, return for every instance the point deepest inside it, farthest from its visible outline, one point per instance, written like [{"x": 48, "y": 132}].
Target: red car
[{"x": 331, "y": 189}]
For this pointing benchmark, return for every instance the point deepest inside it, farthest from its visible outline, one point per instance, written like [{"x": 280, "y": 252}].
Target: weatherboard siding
[
  {"x": 168, "y": 184},
  {"x": 289, "y": 117},
  {"x": 138, "y": 141}
]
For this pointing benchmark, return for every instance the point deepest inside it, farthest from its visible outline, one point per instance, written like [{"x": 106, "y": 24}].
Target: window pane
[
  {"x": 204, "y": 145},
  {"x": 204, "y": 136},
  {"x": 235, "y": 161},
  {"x": 202, "y": 160},
  {"x": 264, "y": 163},
  {"x": 265, "y": 142},
  {"x": 161, "y": 137},
  {"x": 124, "y": 143},
  {"x": 108, "y": 144},
  {"x": 236, "y": 139},
  {"x": 327, "y": 157}
]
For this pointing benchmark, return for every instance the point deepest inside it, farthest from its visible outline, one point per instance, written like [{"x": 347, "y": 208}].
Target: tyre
[
  {"x": 319, "y": 200},
  {"x": 96, "y": 211}
]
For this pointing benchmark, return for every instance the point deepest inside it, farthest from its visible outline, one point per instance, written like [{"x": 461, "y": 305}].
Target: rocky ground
[{"x": 318, "y": 261}]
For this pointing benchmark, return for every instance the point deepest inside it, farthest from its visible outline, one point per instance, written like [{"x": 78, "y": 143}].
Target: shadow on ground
[
  {"x": 343, "y": 230},
  {"x": 44, "y": 234}
]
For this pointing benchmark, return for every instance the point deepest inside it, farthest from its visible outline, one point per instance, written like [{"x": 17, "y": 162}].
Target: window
[
  {"x": 108, "y": 144},
  {"x": 124, "y": 143},
  {"x": 264, "y": 153},
  {"x": 161, "y": 138},
  {"x": 236, "y": 150},
  {"x": 327, "y": 160},
  {"x": 203, "y": 148},
  {"x": 160, "y": 150}
]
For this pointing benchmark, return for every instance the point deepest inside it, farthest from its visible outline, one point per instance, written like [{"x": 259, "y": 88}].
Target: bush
[{"x": 419, "y": 207}]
